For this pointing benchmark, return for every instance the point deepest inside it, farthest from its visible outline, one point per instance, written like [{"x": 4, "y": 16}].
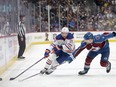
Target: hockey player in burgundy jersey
[{"x": 96, "y": 44}]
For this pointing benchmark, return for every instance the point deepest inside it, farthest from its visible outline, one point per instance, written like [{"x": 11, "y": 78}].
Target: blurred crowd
[
  {"x": 78, "y": 15},
  {"x": 52, "y": 15}
]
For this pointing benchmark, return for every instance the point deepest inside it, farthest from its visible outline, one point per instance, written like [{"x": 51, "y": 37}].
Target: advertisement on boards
[{"x": 2, "y": 52}]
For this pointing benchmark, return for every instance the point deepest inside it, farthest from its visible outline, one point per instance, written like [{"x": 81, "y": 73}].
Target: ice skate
[
  {"x": 21, "y": 57},
  {"x": 51, "y": 70},
  {"x": 85, "y": 71},
  {"x": 43, "y": 71},
  {"x": 108, "y": 68}
]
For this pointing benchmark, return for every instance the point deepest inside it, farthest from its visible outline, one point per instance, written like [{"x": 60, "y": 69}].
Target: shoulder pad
[
  {"x": 58, "y": 37},
  {"x": 70, "y": 36}
]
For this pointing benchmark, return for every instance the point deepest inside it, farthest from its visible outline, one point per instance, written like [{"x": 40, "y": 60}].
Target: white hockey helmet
[
  {"x": 64, "y": 32},
  {"x": 65, "y": 29}
]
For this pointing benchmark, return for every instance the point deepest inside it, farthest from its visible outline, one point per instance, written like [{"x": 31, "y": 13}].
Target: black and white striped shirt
[{"x": 21, "y": 29}]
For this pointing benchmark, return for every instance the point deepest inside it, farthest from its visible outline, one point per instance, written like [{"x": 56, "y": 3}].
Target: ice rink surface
[{"x": 66, "y": 75}]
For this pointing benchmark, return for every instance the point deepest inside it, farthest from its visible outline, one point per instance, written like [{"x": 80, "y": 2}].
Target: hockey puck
[{"x": 0, "y": 79}]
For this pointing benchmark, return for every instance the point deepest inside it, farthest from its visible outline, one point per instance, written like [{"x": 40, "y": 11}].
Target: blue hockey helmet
[{"x": 88, "y": 36}]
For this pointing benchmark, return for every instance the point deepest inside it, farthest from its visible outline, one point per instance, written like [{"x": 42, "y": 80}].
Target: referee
[{"x": 21, "y": 37}]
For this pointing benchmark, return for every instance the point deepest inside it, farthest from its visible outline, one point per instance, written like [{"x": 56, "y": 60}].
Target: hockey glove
[
  {"x": 69, "y": 59},
  {"x": 57, "y": 50},
  {"x": 114, "y": 33},
  {"x": 47, "y": 52}
]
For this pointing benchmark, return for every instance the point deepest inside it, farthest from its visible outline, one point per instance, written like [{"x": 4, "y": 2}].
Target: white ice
[{"x": 66, "y": 75}]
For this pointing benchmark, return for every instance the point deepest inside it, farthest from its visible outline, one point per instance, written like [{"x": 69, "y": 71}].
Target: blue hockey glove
[
  {"x": 69, "y": 59},
  {"x": 47, "y": 52},
  {"x": 114, "y": 33},
  {"x": 57, "y": 50}
]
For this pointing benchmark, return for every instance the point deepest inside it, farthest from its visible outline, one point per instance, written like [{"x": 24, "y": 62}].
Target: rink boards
[{"x": 9, "y": 45}]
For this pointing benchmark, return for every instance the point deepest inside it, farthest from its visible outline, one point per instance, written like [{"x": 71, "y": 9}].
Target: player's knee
[
  {"x": 49, "y": 62},
  {"x": 88, "y": 60},
  {"x": 52, "y": 57},
  {"x": 55, "y": 63},
  {"x": 103, "y": 63}
]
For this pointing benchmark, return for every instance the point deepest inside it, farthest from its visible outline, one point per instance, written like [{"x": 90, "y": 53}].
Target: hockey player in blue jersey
[
  {"x": 97, "y": 44},
  {"x": 59, "y": 51}
]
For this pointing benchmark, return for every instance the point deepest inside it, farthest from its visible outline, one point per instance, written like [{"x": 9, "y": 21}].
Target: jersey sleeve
[
  {"x": 107, "y": 36},
  {"x": 57, "y": 41},
  {"x": 79, "y": 49}
]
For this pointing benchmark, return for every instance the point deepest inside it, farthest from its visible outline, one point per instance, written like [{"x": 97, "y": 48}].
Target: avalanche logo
[{"x": 97, "y": 37}]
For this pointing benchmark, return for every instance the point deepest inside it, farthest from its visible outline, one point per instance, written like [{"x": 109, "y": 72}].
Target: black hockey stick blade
[{"x": 12, "y": 78}]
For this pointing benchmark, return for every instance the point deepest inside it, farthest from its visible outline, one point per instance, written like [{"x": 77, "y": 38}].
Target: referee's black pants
[{"x": 22, "y": 46}]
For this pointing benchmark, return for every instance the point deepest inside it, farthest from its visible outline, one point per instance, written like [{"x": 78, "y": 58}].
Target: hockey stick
[
  {"x": 39, "y": 73},
  {"x": 29, "y": 77},
  {"x": 26, "y": 69},
  {"x": 34, "y": 75}
]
